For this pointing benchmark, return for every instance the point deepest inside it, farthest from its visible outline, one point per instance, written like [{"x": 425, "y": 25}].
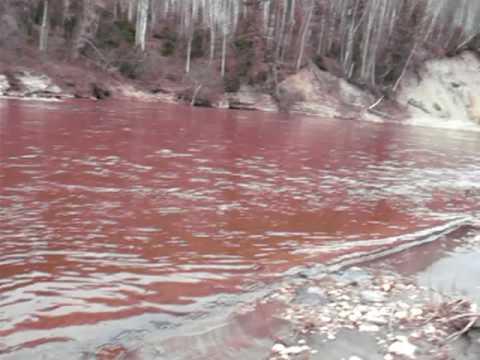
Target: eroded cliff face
[
  {"x": 444, "y": 92},
  {"x": 247, "y": 98},
  {"x": 319, "y": 93}
]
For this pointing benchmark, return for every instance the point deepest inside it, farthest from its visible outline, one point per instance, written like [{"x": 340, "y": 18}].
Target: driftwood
[
  {"x": 467, "y": 319},
  {"x": 466, "y": 41},
  {"x": 98, "y": 52},
  {"x": 371, "y": 109},
  {"x": 376, "y": 103},
  {"x": 472, "y": 318}
]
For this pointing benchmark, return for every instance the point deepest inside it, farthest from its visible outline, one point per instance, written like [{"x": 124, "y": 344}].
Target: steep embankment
[
  {"x": 319, "y": 93},
  {"x": 444, "y": 93}
]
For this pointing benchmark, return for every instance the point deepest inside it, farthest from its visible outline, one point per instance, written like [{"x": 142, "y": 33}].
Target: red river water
[{"x": 135, "y": 218}]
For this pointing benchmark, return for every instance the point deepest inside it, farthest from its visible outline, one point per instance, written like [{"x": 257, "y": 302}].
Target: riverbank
[
  {"x": 442, "y": 93},
  {"x": 388, "y": 312},
  {"x": 363, "y": 313}
]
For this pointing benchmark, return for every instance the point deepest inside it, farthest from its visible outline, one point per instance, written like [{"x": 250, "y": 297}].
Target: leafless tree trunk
[
  {"x": 212, "y": 43},
  {"x": 189, "y": 54},
  {"x": 190, "y": 12},
  {"x": 212, "y": 19},
  {"x": 141, "y": 28},
  {"x": 281, "y": 30},
  {"x": 305, "y": 31},
  {"x": 130, "y": 10},
  {"x": 153, "y": 15},
  {"x": 224, "y": 53},
  {"x": 115, "y": 10},
  {"x": 44, "y": 28},
  {"x": 86, "y": 27}
]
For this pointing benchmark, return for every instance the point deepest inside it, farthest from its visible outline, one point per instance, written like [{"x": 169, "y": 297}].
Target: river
[{"x": 136, "y": 218}]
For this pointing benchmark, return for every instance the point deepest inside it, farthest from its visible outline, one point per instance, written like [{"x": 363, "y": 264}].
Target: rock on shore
[
  {"x": 26, "y": 84},
  {"x": 248, "y": 98}
]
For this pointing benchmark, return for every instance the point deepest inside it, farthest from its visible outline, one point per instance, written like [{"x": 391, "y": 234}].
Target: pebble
[
  {"x": 312, "y": 296},
  {"x": 368, "y": 328},
  {"x": 403, "y": 347},
  {"x": 401, "y": 315},
  {"x": 372, "y": 296},
  {"x": 416, "y": 312},
  {"x": 315, "y": 290},
  {"x": 403, "y": 305},
  {"x": 375, "y": 317},
  {"x": 429, "y": 329},
  {"x": 295, "y": 350},
  {"x": 387, "y": 287},
  {"x": 284, "y": 351},
  {"x": 416, "y": 335},
  {"x": 355, "y": 316},
  {"x": 325, "y": 319},
  {"x": 362, "y": 308},
  {"x": 355, "y": 275},
  {"x": 278, "y": 348}
]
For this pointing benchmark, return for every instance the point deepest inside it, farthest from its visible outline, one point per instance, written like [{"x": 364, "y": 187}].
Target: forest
[{"x": 226, "y": 43}]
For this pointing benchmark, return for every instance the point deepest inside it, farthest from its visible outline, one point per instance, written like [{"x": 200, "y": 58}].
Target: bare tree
[
  {"x": 369, "y": 42},
  {"x": 141, "y": 27},
  {"x": 130, "y": 10},
  {"x": 304, "y": 33},
  {"x": 87, "y": 25},
  {"x": 43, "y": 43}
]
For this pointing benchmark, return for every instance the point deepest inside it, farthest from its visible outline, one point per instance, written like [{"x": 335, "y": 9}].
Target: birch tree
[
  {"x": 304, "y": 33},
  {"x": 141, "y": 27},
  {"x": 43, "y": 43},
  {"x": 213, "y": 13},
  {"x": 87, "y": 25},
  {"x": 225, "y": 32},
  {"x": 130, "y": 10},
  {"x": 190, "y": 18}
]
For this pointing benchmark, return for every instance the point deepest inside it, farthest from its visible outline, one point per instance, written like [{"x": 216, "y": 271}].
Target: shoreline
[
  {"x": 363, "y": 313},
  {"x": 444, "y": 96},
  {"x": 149, "y": 98}
]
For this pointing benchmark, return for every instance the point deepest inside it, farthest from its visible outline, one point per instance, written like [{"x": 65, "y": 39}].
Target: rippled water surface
[{"x": 123, "y": 217}]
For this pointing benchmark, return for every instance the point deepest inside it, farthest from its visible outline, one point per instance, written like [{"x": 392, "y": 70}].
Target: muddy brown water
[{"x": 121, "y": 221}]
